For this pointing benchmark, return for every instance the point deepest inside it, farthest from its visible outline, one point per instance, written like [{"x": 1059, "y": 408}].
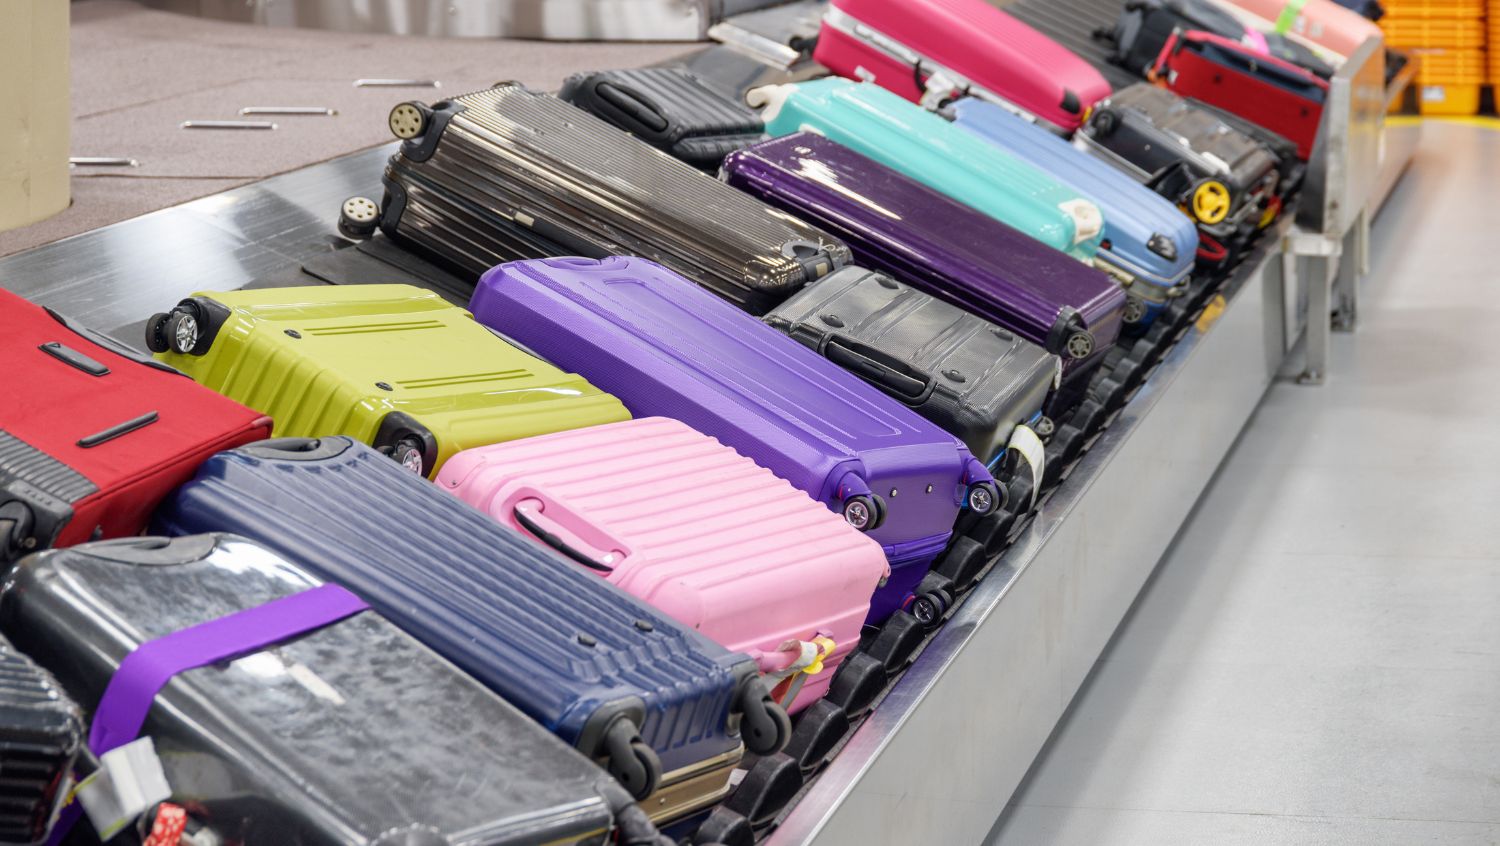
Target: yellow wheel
[{"x": 1210, "y": 202}]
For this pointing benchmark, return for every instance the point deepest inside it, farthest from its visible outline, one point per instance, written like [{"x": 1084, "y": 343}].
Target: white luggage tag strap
[
  {"x": 788, "y": 681},
  {"x": 1029, "y": 446},
  {"x": 128, "y": 783}
]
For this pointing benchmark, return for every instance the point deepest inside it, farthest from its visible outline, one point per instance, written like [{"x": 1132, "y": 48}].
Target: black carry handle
[
  {"x": 73, "y": 358},
  {"x": 118, "y": 430},
  {"x": 889, "y": 373},
  {"x": 557, "y": 543},
  {"x": 636, "y": 107}
]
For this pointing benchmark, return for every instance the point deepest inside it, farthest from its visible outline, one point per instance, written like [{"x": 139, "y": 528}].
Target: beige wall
[{"x": 34, "y": 110}]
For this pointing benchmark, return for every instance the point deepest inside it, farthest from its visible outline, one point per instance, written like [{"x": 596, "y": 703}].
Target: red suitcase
[
  {"x": 1264, "y": 90},
  {"x": 93, "y": 434}
]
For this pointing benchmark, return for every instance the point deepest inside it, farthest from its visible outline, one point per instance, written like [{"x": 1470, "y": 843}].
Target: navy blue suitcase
[{"x": 603, "y": 671}]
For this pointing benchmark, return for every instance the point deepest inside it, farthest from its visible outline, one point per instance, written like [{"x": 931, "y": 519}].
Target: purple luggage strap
[{"x": 145, "y": 671}]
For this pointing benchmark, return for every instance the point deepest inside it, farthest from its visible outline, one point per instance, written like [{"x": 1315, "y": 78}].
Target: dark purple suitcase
[
  {"x": 937, "y": 244},
  {"x": 669, "y": 348}
]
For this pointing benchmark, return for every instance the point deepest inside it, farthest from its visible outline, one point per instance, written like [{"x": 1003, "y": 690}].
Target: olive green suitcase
[{"x": 392, "y": 365}]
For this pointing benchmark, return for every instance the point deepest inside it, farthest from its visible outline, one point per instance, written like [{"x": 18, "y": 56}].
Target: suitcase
[
  {"x": 1225, "y": 180},
  {"x": 672, "y": 350},
  {"x": 653, "y": 701},
  {"x": 878, "y": 124},
  {"x": 965, "y": 374},
  {"x": 41, "y": 734},
  {"x": 933, "y": 50},
  {"x": 1320, "y": 22},
  {"x": 92, "y": 433},
  {"x": 1148, "y": 242},
  {"x": 335, "y": 732},
  {"x": 509, "y": 173},
  {"x": 1145, "y": 25},
  {"x": 670, "y": 108},
  {"x": 643, "y": 504},
  {"x": 1370, "y": 9},
  {"x": 1262, "y": 89},
  {"x": 939, "y": 245},
  {"x": 391, "y": 365}
]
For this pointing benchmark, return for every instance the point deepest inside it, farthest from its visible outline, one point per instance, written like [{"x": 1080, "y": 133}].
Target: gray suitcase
[
  {"x": 508, "y": 173},
  {"x": 351, "y": 734},
  {"x": 969, "y": 376}
]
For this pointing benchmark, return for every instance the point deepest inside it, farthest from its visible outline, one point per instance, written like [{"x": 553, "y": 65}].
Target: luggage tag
[
  {"x": 1025, "y": 443},
  {"x": 129, "y": 782}
]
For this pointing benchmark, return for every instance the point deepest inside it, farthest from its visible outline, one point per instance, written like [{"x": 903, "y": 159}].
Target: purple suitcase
[
  {"x": 937, "y": 244},
  {"x": 669, "y": 348}
]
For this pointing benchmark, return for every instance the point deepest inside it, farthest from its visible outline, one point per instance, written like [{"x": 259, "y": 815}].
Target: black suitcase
[
  {"x": 508, "y": 173},
  {"x": 352, "y": 733},
  {"x": 1144, "y": 26},
  {"x": 41, "y": 734},
  {"x": 969, "y": 376},
  {"x": 670, "y": 108},
  {"x": 1227, "y": 181}
]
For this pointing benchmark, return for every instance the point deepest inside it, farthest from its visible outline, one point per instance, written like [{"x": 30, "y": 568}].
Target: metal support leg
[
  {"x": 1354, "y": 265},
  {"x": 1319, "y": 301}
]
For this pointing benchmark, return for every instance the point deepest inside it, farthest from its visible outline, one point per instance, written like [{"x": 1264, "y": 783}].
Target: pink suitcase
[
  {"x": 695, "y": 529},
  {"x": 1321, "y": 22},
  {"x": 931, "y": 51}
]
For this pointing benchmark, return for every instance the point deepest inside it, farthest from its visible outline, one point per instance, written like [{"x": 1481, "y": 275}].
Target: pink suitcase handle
[{"x": 531, "y": 514}]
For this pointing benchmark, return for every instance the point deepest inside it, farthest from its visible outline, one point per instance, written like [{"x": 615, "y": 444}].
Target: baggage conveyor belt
[{"x": 951, "y": 738}]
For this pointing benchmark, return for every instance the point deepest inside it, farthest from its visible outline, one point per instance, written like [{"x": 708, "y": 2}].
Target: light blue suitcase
[
  {"x": 1146, "y": 238},
  {"x": 905, "y": 137}
]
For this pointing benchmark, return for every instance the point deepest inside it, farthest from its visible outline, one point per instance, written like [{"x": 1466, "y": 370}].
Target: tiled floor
[{"x": 1317, "y": 660}]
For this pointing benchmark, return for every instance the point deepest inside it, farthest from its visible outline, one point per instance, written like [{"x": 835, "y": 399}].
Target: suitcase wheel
[
  {"x": 1105, "y": 123},
  {"x": 984, "y": 498},
  {"x": 408, "y": 453},
  {"x": 1080, "y": 345},
  {"x": 764, "y": 725},
  {"x": 16, "y": 521},
  {"x": 358, "y": 218},
  {"x": 408, "y": 120},
  {"x": 1044, "y": 427},
  {"x": 1135, "y": 310},
  {"x": 1211, "y": 201},
  {"x": 864, "y": 511},
  {"x": 930, "y": 607},
  {"x": 632, "y": 762},
  {"x": 156, "y": 333}
]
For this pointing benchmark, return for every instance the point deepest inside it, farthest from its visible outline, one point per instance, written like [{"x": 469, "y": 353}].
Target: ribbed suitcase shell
[
  {"x": 1139, "y": 226},
  {"x": 692, "y": 527},
  {"x": 53, "y": 477},
  {"x": 343, "y": 359},
  {"x": 913, "y": 141},
  {"x": 41, "y": 733},
  {"x": 1074, "y": 25},
  {"x": 561, "y": 645},
  {"x": 935, "y": 243},
  {"x": 351, "y": 734},
  {"x": 980, "y": 49},
  {"x": 671, "y": 350},
  {"x": 670, "y": 108},
  {"x": 1151, "y": 129},
  {"x": 514, "y": 159},
  {"x": 1143, "y": 28},
  {"x": 1263, "y": 89},
  {"x": 965, "y": 374},
  {"x": 1322, "y": 22}
]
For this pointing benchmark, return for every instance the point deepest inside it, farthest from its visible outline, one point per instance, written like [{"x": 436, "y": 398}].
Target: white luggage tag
[
  {"x": 129, "y": 782},
  {"x": 1029, "y": 446}
]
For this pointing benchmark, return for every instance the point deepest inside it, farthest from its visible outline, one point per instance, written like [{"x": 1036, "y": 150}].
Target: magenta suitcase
[
  {"x": 932, "y": 51},
  {"x": 693, "y": 528}
]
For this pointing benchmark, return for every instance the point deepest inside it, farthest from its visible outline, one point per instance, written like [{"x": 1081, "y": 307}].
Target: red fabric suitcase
[
  {"x": 93, "y": 434},
  {"x": 1264, "y": 90}
]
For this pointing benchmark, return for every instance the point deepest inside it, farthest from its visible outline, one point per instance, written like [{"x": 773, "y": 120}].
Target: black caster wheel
[
  {"x": 408, "y": 120},
  {"x": 764, "y": 725},
  {"x": 1105, "y": 123},
  {"x": 632, "y": 762},
  {"x": 16, "y": 521},
  {"x": 930, "y": 607},
  {"x": 864, "y": 512},
  {"x": 181, "y": 331},
  {"x": 358, "y": 218},
  {"x": 984, "y": 498},
  {"x": 408, "y": 453},
  {"x": 156, "y": 333}
]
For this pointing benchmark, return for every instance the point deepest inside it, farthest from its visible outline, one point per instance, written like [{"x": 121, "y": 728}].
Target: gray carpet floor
[{"x": 138, "y": 73}]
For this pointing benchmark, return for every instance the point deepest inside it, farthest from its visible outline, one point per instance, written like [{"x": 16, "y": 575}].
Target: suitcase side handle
[
  {"x": 890, "y": 374},
  {"x": 526, "y": 519}
]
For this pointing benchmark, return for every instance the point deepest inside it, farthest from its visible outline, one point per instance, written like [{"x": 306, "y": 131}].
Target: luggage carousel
[{"x": 933, "y": 756}]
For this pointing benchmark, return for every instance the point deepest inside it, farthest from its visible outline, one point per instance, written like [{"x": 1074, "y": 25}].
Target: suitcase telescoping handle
[
  {"x": 890, "y": 374},
  {"x": 528, "y": 514}
]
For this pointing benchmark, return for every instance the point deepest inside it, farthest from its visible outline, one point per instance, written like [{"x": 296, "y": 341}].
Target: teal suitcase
[{"x": 906, "y": 138}]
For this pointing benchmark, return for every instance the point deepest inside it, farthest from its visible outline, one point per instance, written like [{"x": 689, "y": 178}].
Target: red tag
[{"x": 171, "y": 822}]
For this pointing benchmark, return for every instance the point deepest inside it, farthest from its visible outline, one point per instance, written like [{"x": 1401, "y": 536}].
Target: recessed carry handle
[
  {"x": 890, "y": 373},
  {"x": 528, "y": 521},
  {"x": 635, "y": 106}
]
